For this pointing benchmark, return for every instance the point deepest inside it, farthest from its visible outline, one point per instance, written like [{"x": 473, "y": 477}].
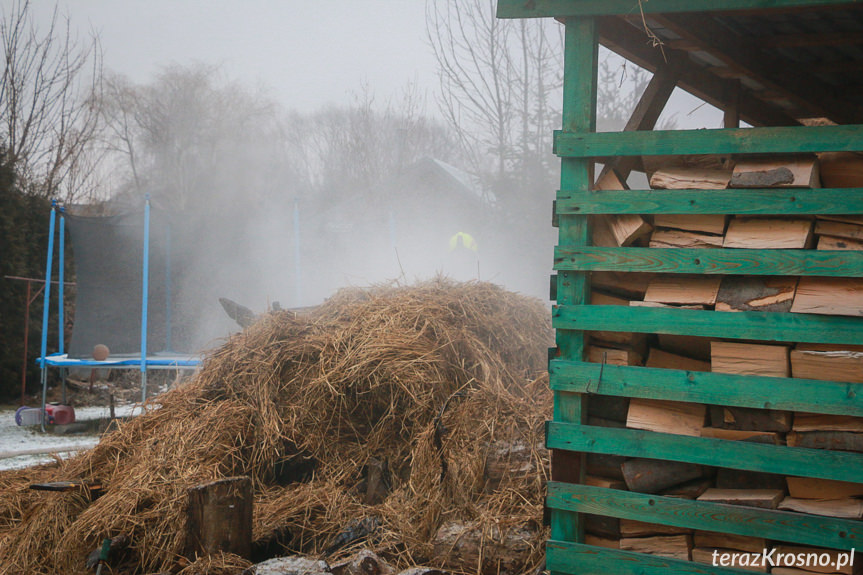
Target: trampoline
[{"x": 118, "y": 275}]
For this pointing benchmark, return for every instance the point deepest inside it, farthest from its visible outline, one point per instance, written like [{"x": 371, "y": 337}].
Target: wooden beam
[
  {"x": 706, "y": 516},
  {"x": 762, "y": 457},
  {"x": 646, "y": 113},
  {"x": 764, "y": 201},
  {"x": 632, "y": 43},
  {"x": 722, "y": 261},
  {"x": 782, "y": 140},
  {"x": 812, "y": 39},
  {"x": 757, "y": 392},
  {"x": 773, "y": 71},
  {"x": 763, "y": 325},
  {"x": 564, "y": 8}
]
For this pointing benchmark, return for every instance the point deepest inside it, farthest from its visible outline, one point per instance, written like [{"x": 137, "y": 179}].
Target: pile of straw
[{"x": 429, "y": 379}]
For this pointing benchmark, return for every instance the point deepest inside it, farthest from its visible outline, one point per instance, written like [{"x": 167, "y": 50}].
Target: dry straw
[{"x": 438, "y": 381}]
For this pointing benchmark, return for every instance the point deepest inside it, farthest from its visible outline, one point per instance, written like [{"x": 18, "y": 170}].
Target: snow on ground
[{"x": 14, "y": 438}]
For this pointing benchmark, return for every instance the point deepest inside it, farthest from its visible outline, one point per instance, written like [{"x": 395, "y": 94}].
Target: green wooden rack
[{"x": 616, "y": 24}]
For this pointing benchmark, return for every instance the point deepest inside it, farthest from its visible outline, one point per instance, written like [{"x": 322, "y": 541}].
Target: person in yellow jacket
[{"x": 463, "y": 257}]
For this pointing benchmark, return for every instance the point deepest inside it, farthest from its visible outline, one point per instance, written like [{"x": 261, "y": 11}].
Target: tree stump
[{"x": 219, "y": 518}]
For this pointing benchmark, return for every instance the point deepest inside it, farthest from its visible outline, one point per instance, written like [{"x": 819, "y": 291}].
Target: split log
[
  {"x": 609, "y": 407},
  {"x": 673, "y": 546},
  {"x": 467, "y": 546},
  {"x": 835, "y": 229},
  {"x": 749, "y": 359},
  {"x": 689, "y": 490},
  {"x": 769, "y": 438},
  {"x": 820, "y": 422},
  {"x": 634, "y": 341},
  {"x": 768, "y": 234},
  {"x": 613, "y": 356},
  {"x": 666, "y": 360},
  {"x": 760, "y": 498},
  {"x": 629, "y": 285},
  {"x": 829, "y": 296},
  {"x": 684, "y": 290},
  {"x": 776, "y": 173},
  {"x": 597, "y": 541},
  {"x": 604, "y": 482},
  {"x": 655, "y": 304},
  {"x": 831, "y": 243},
  {"x": 846, "y": 218},
  {"x": 754, "y": 293},
  {"x": 602, "y": 526},
  {"x": 292, "y": 565},
  {"x": 632, "y": 528},
  {"x": 627, "y": 228},
  {"x": 605, "y": 465},
  {"x": 702, "y": 223},
  {"x": 653, "y": 476},
  {"x": 750, "y": 419},
  {"x": 673, "y": 417},
  {"x": 833, "y": 365},
  {"x": 729, "y": 541},
  {"x": 841, "y": 169},
  {"x": 833, "y": 440},
  {"x": 848, "y": 508},
  {"x": 509, "y": 460},
  {"x": 696, "y": 347},
  {"x": 813, "y": 488},
  {"x": 667, "y": 238},
  {"x": 219, "y": 518},
  {"x": 682, "y": 178},
  {"x": 740, "y": 479},
  {"x": 601, "y": 234}
]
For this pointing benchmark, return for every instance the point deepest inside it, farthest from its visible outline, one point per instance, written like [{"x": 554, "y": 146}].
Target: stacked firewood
[{"x": 727, "y": 293}]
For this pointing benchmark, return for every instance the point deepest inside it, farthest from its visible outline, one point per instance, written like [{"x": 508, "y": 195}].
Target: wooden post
[
  {"x": 219, "y": 518},
  {"x": 573, "y": 288}
]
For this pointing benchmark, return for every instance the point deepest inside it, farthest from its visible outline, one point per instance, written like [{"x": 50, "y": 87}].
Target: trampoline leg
[
  {"x": 143, "y": 385},
  {"x": 44, "y": 378}
]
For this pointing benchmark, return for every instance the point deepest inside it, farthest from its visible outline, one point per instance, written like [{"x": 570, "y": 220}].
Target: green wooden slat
[
  {"x": 823, "y": 263},
  {"x": 769, "y": 524},
  {"x": 785, "y": 201},
  {"x": 552, "y": 8},
  {"x": 778, "y": 459},
  {"x": 788, "y": 394},
  {"x": 725, "y": 141},
  {"x": 769, "y": 326},
  {"x": 580, "y": 559}
]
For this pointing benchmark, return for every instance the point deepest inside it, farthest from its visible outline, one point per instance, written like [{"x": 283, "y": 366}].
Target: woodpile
[{"x": 731, "y": 293}]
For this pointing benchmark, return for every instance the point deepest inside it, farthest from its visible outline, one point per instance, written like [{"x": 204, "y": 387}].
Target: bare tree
[
  {"x": 49, "y": 98},
  {"x": 500, "y": 84}
]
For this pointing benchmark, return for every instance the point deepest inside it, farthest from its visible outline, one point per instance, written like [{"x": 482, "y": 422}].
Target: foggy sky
[{"x": 306, "y": 53}]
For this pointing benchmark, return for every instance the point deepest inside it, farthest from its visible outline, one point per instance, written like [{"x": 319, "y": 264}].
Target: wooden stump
[{"x": 219, "y": 518}]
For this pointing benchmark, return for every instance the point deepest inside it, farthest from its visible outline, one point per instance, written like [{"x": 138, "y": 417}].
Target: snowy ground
[{"x": 14, "y": 438}]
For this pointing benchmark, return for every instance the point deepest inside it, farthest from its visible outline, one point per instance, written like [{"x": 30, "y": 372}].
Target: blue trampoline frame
[{"x": 61, "y": 359}]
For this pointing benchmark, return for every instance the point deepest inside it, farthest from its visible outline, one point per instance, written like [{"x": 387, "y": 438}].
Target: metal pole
[
  {"x": 60, "y": 278},
  {"x": 297, "y": 267},
  {"x": 168, "y": 296},
  {"x": 26, "y": 336},
  {"x": 145, "y": 292},
  {"x": 46, "y": 309}
]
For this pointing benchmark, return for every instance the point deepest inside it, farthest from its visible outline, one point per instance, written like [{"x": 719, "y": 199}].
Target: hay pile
[{"x": 435, "y": 384}]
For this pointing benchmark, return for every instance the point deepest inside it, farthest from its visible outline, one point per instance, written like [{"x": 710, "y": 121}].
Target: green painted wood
[
  {"x": 725, "y": 141},
  {"x": 552, "y": 8},
  {"x": 786, "y": 394},
  {"x": 580, "y": 559},
  {"x": 779, "y": 459},
  {"x": 776, "y": 201},
  {"x": 768, "y": 326},
  {"x": 581, "y": 47},
  {"x": 823, "y": 263},
  {"x": 777, "y": 525}
]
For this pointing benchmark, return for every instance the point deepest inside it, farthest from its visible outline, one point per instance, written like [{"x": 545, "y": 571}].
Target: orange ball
[{"x": 100, "y": 352}]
